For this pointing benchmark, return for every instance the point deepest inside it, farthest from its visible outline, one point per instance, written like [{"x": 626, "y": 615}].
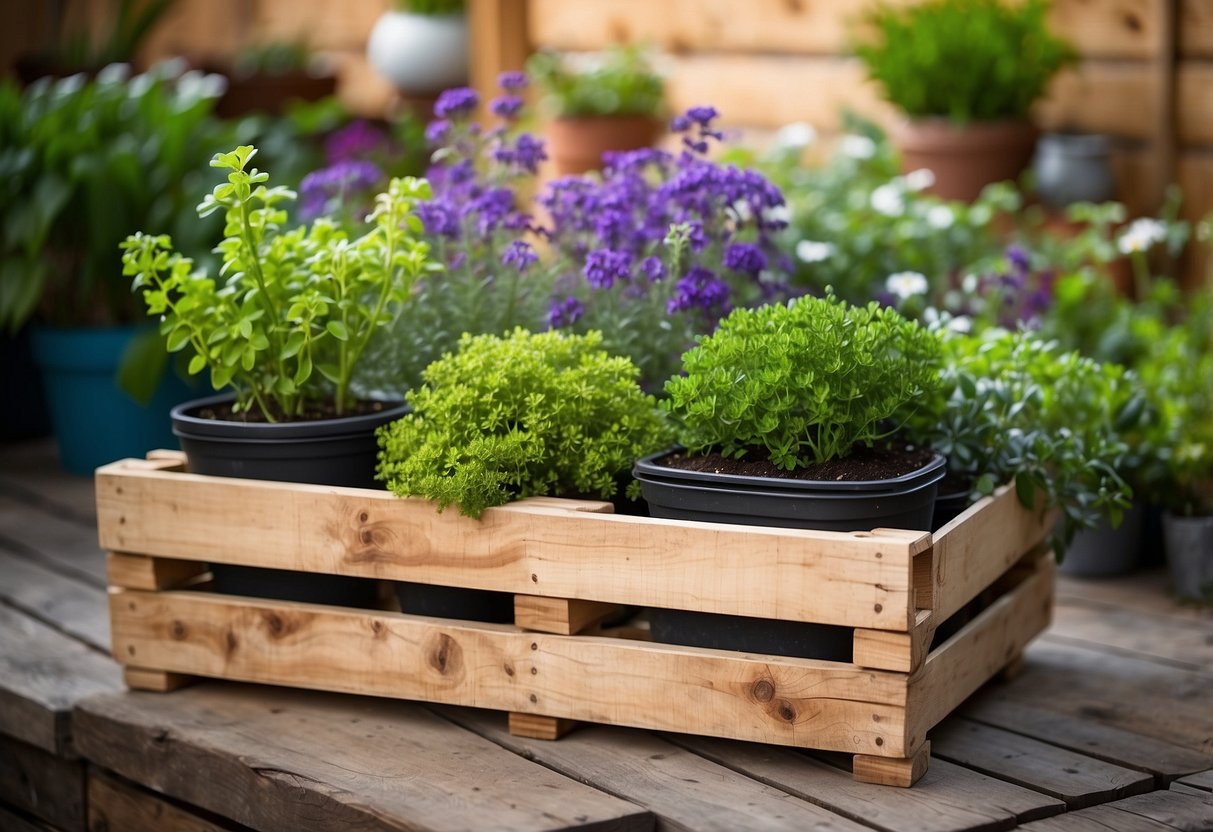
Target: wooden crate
[{"x": 568, "y": 562}]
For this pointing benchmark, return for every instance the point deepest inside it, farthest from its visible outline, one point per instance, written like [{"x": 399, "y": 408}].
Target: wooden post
[
  {"x": 499, "y": 41},
  {"x": 1165, "y": 79}
]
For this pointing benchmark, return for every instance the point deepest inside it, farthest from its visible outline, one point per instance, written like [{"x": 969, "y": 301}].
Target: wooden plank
[
  {"x": 142, "y": 572},
  {"x": 76, "y": 608},
  {"x": 11, "y": 821},
  {"x": 986, "y": 540},
  {"x": 1142, "y": 592},
  {"x": 1194, "y": 103},
  {"x": 67, "y": 546},
  {"x": 1196, "y": 28},
  {"x": 42, "y": 784},
  {"x": 683, "y": 790},
  {"x": 859, "y": 579},
  {"x": 901, "y": 773},
  {"x": 30, "y": 473},
  {"x": 115, "y": 804},
  {"x": 1098, "y": 819},
  {"x": 948, "y": 798},
  {"x": 1108, "y": 28},
  {"x": 159, "y": 681},
  {"x": 1082, "y": 733},
  {"x": 666, "y": 687},
  {"x": 1075, "y": 778},
  {"x": 540, "y": 727},
  {"x": 43, "y": 673},
  {"x": 901, "y": 652},
  {"x": 1202, "y": 780},
  {"x": 1091, "y": 98},
  {"x": 979, "y": 650},
  {"x": 1180, "y": 642},
  {"x": 563, "y": 616},
  {"x": 497, "y": 30},
  {"x": 1161, "y": 811},
  {"x": 282, "y": 761}
]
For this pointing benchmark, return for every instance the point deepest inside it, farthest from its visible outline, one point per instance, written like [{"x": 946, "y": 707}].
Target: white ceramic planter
[{"x": 420, "y": 53}]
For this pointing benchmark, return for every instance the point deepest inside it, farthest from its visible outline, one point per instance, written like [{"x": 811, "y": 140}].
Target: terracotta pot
[
  {"x": 576, "y": 145},
  {"x": 965, "y": 159}
]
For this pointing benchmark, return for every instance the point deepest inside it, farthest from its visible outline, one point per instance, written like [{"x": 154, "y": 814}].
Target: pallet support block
[
  {"x": 540, "y": 727},
  {"x": 902, "y": 772},
  {"x": 156, "y": 681}
]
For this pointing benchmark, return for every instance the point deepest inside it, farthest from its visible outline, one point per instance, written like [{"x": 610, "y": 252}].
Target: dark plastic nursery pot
[
  {"x": 905, "y": 502},
  {"x": 323, "y": 452}
]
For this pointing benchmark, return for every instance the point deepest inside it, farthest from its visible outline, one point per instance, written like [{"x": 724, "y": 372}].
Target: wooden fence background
[{"x": 1146, "y": 77}]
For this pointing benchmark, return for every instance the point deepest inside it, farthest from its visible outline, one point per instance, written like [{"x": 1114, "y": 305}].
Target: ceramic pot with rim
[
  {"x": 576, "y": 144},
  {"x": 905, "y": 502},
  {"x": 1189, "y": 545},
  {"x": 1073, "y": 167},
  {"x": 340, "y": 451},
  {"x": 964, "y": 158},
  {"x": 418, "y": 53}
]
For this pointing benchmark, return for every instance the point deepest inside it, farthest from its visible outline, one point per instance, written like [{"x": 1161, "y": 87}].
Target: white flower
[
  {"x": 115, "y": 73},
  {"x": 810, "y": 251},
  {"x": 794, "y": 136},
  {"x": 743, "y": 211},
  {"x": 858, "y": 147},
  {"x": 969, "y": 283},
  {"x": 778, "y": 213},
  {"x": 960, "y": 323},
  {"x": 906, "y": 284},
  {"x": 919, "y": 180},
  {"x": 941, "y": 217},
  {"x": 887, "y": 200},
  {"x": 1142, "y": 235}
]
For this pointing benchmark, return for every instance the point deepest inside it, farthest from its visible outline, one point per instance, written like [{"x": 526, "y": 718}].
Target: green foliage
[
  {"x": 298, "y": 307},
  {"x": 802, "y": 382},
  {"x": 619, "y": 82},
  {"x": 130, "y": 24},
  {"x": 81, "y": 164},
  {"x": 278, "y": 57},
  {"x": 518, "y": 416},
  {"x": 1013, "y": 406},
  {"x": 967, "y": 60},
  {"x": 430, "y": 7}
]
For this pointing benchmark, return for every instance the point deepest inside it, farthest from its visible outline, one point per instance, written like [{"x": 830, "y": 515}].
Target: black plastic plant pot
[
  {"x": 455, "y": 602},
  {"x": 948, "y": 507},
  {"x": 337, "y": 451},
  {"x": 905, "y": 502}
]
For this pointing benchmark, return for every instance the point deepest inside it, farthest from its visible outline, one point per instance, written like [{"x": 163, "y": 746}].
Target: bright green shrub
[{"x": 518, "y": 416}]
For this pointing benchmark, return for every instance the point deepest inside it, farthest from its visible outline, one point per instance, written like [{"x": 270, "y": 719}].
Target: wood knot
[
  {"x": 274, "y": 623},
  {"x": 763, "y": 690},
  {"x": 232, "y": 642},
  {"x": 378, "y": 628},
  {"x": 508, "y": 668},
  {"x": 879, "y": 741},
  {"x": 785, "y": 710},
  {"x": 178, "y": 630},
  {"x": 281, "y": 626},
  {"x": 445, "y": 655},
  {"x": 363, "y": 517}
]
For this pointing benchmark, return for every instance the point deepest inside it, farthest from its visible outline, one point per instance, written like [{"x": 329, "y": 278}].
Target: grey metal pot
[
  {"x": 1105, "y": 551},
  {"x": 1189, "y": 543},
  {"x": 1073, "y": 167}
]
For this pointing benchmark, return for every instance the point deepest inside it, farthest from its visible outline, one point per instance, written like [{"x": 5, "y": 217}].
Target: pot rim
[{"x": 188, "y": 426}]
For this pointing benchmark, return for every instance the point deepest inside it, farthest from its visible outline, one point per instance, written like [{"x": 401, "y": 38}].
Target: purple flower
[
  {"x": 652, "y": 268},
  {"x": 438, "y": 218},
  {"x": 356, "y": 139},
  {"x": 680, "y": 124},
  {"x": 603, "y": 267},
  {"x": 519, "y": 254},
  {"x": 703, "y": 116},
  {"x": 506, "y": 106},
  {"x": 459, "y": 101},
  {"x": 565, "y": 312},
  {"x": 437, "y": 131},
  {"x": 699, "y": 289},
  {"x": 335, "y": 182},
  {"x": 512, "y": 80},
  {"x": 524, "y": 154},
  {"x": 745, "y": 257},
  {"x": 1018, "y": 258}
]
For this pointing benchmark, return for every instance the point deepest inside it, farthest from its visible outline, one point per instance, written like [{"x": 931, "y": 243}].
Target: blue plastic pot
[{"x": 95, "y": 421}]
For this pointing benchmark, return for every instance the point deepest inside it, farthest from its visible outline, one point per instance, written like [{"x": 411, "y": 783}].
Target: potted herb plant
[
  {"x": 269, "y": 77},
  {"x": 84, "y": 162},
  {"x": 513, "y": 416},
  {"x": 602, "y": 102},
  {"x": 787, "y": 414},
  {"x": 965, "y": 74},
  {"x": 284, "y": 331},
  {"x": 421, "y": 46}
]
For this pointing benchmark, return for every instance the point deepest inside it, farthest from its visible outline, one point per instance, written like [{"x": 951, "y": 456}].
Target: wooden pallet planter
[{"x": 567, "y": 562}]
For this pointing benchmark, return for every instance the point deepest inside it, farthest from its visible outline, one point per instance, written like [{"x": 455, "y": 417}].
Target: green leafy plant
[
  {"x": 517, "y": 416},
  {"x": 802, "y": 382},
  {"x": 1016, "y": 407},
  {"x": 966, "y": 60},
  {"x": 620, "y": 81},
  {"x": 430, "y": 7},
  {"x": 298, "y": 307},
  {"x": 130, "y": 23},
  {"x": 278, "y": 57}
]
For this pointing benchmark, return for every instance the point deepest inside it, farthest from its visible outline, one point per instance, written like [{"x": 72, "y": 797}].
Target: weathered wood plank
[
  {"x": 1078, "y": 780},
  {"x": 1184, "y": 643},
  {"x": 948, "y": 798},
  {"x": 1082, "y": 733},
  {"x": 61, "y": 601},
  {"x": 794, "y": 701},
  {"x": 43, "y": 673},
  {"x": 861, "y": 579},
  {"x": 1202, "y": 780},
  {"x": 63, "y": 545},
  {"x": 685, "y": 791},
  {"x": 1161, "y": 811},
  {"x": 114, "y": 804},
  {"x": 1196, "y": 28},
  {"x": 979, "y": 650},
  {"x": 285, "y": 761},
  {"x": 30, "y": 473},
  {"x": 1194, "y": 112},
  {"x": 42, "y": 784},
  {"x": 11, "y": 821}
]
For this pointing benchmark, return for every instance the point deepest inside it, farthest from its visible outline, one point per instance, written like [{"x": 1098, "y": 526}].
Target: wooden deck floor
[{"x": 1109, "y": 727}]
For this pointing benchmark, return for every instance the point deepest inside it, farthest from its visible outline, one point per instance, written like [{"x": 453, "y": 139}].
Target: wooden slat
[
  {"x": 948, "y": 798},
  {"x": 11, "y": 821},
  {"x": 1202, "y": 780},
  {"x": 1161, "y": 811},
  {"x": 860, "y": 579},
  {"x": 283, "y": 761},
  {"x": 686, "y": 792},
  {"x": 980, "y": 649},
  {"x": 562, "y": 616},
  {"x": 43, "y": 674},
  {"x": 792, "y": 701},
  {"x": 540, "y": 727},
  {"x": 1194, "y": 104},
  {"x": 1109, "y": 28},
  {"x": 901, "y": 773},
  {"x": 1075, "y": 778},
  {"x": 63, "y": 602},
  {"x": 114, "y": 804},
  {"x": 497, "y": 31},
  {"x": 1180, "y": 642},
  {"x": 65, "y": 545},
  {"x": 902, "y": 652},
  {"x": 42, "y": 784},
  {"x": 1196, "y": 28},
  {"x": 970, "y": 552},
  {"x": 143, "y": 572},
  {"x": 159, "y": 681}
]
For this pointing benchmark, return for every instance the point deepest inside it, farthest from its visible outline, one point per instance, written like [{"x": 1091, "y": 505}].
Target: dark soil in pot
[
  {"x": 322, "y": 451},
  {"x": 716, "y": 489}
]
